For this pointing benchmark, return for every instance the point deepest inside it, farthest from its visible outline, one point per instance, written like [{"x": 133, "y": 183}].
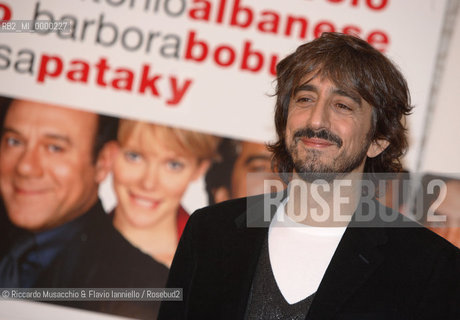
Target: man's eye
[
  {"x": 132, "y": 156},
  {"x": 175, "y": 165},
  {"x": 343, "y": 107},
  {"x": 303, "y": 100},
  {"x": 11, "y": 142},
  {"x": 54, "y": 148},
  {"x": 259, "y": 168}
]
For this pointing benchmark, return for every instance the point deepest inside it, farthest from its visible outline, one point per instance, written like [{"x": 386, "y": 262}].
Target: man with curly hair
[{"x": 324, "y": 248}]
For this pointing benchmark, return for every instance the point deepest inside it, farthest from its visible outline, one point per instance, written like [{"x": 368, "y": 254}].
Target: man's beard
[{"x": 310, "y": 168}]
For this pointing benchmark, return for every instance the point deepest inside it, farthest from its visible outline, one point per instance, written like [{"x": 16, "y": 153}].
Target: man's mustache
[{"x": 321, "y": 134}]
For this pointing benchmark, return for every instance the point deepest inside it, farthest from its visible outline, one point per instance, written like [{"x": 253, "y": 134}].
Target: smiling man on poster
[
  {"x": 315, "y": 255},
  {"x": 50, "y": 169},
  {"x": 54, "y": 231}
]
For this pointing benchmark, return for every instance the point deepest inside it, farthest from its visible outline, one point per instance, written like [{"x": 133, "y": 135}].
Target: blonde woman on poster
[{"x": 152, "y": 167}]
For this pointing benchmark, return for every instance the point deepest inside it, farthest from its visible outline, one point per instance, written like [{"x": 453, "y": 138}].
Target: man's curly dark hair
[{"x": 353, "y": 64}]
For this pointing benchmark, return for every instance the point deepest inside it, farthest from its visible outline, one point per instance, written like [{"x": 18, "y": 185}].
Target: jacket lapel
[
  {"x": 241, "y": 257},
  {"x": 356, "y": 258}
]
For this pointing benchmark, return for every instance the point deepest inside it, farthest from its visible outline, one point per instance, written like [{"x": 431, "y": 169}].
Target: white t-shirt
[{"x": 299, "y": 254}]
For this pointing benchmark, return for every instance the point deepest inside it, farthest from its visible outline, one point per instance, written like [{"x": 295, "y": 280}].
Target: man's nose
[
  {"x": 30, "y": 163},
  {"x": 319, "y": 115}
]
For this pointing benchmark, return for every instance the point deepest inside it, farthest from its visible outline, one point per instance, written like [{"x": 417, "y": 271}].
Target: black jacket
[{"x": 377, "y": 272}]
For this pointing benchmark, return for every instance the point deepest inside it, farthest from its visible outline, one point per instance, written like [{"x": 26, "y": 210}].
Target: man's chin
[
  {"x": 317, "y": 177},
  {"x": 26, "y": 218},
  {"x": 314, "y": 170}
]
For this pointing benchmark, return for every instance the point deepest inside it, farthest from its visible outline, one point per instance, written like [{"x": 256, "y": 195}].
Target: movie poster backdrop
[{"x": 207, "y": 66}]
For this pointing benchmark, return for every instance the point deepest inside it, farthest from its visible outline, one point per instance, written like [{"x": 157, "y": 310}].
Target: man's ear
[
  {"x": 105, "y": 160},
  {"x": 220, "y": 194},
  {"x": 377, "y": 147}
]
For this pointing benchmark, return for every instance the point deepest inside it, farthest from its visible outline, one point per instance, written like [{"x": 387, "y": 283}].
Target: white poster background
[{"x": 220, "y": 100}]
